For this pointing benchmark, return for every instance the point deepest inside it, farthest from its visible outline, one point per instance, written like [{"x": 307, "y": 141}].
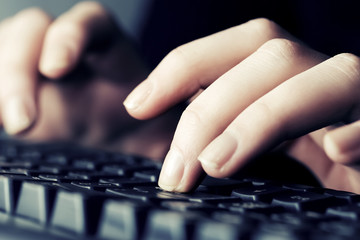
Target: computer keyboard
[{"x": 57, "y": 191}]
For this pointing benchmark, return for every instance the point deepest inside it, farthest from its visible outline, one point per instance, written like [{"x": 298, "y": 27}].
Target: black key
[
  {"x": 347, "y": 197},
  {"x": 171, "y": 225},
  {"x": 220, "y": 186},
  {"x": 57, "y": 158},
  {"x": 84, "y": 163},
  {"x": 156, "y": 194},
  {"x": 305, "y": 218},
  {"x": 219, "y": 231},
  {"x": 347, "y": 212},
  {"x": 122, "y": 219},
  {"x": 251, "y": 207},
  {"x": 127, "y": 182},
  {"x": 342, "y": 228},
  {"x": 93, "y": 186},
  {"x": 77, "y": 212},
  {"x": 188, "y": 206},
  {"x": 263, "y": 193},
  {"x": 150, "y": 175},
  {"x": 301, "y": 187},
  {"x": 261, "y": 182},
  {"x": 125, "y": 170},
  {"x": 9, "y": 192},
  {"x": 247, "y": 221},
  {"x": 303, "y": 201},
  {"x": 280, "y": 231},
  {"x": 36, "y": 201}
]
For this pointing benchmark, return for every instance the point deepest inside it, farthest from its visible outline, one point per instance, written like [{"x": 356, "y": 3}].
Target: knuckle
[
  {"x": 180, "y": 57},
  {"x": 66, "y": 29},
  {"x": 281, "y": 48},
  {"x": 33, "y": 14},
  {"x": 266, "y": 27},
  {"x": 90, "y": 5},
  {"x": 348, "y": 63},
  {"x": 192, "y": 116},
  {"x": 261, "y": 117}
]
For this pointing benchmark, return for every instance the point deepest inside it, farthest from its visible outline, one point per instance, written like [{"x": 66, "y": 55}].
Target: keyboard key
[
  {"x": 9, "y": 192},
  {"x": 351, "y": 212},
  {"x": 36, "y": 201},
  {"x": 77, "y": 212},
  {"x": 262, "y": 193},
  {"x": 303, "y": 201},
  {"x": 219, "y": 231},
  {"x": 150, "y": 175},
  {"x": 171, "y": 225},
  {"x": 347, "y": 197},
  {"x": 220, "y": 186},
  {"x": 253, "y": 207},
  {"x": 123, "y": 219}
]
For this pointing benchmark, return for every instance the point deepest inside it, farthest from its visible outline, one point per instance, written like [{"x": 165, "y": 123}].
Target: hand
[
  {"x": 66, "y": 79},
  {"x": 255, "y": 86}
]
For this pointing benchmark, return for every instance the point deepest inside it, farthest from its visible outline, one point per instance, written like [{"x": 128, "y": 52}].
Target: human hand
[
  {"x": 259, "y": 87},
  {"x": 66, "y": 79}
]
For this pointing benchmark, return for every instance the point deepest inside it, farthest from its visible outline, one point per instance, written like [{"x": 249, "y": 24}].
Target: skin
[{"x": 250, "y": 89}]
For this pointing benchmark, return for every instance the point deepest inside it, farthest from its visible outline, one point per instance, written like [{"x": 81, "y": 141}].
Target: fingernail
[
  {"x": 138, "y": 95},
  {"x": 172, "y": 170},
  {"x": 218, "y": 152},
  {"x": 16, "y": 116}
]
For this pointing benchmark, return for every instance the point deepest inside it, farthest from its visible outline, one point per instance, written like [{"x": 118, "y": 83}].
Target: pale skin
[{"x": 252, "y": 87}]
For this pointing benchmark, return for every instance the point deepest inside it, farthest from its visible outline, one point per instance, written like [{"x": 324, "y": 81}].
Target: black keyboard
[{"x": 56, "y": 191}]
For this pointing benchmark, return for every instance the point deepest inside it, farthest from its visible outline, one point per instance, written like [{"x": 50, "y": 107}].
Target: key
[
  {"x": 220, "y": 186},
  {"x": 262, "y": 193},
  {"x": 351, "y": 212},
  {"x": 123, "y": 219},
  {"x": 251, "y": 207},
  {"x": 9, "y": 192},
  {"x": 347, "y": 197},
  {"x": 219, "y": 231},
  {"x": 36, "y": 201},
  {"x": 151, "y": 175},
  {"x": 184, "y": 206},
  {"x": 170, "y": 225},
  {"x": 127, "y": 182},
  {"x": 303, "y": 201},
  {"x": 77, "y": 212}
]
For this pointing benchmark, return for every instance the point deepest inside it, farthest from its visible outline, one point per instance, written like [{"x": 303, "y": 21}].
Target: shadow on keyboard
[{"x": 54, "y": 191}]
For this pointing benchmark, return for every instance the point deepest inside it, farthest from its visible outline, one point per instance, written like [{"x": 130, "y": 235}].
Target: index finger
[{"x": 197, "y": 64}]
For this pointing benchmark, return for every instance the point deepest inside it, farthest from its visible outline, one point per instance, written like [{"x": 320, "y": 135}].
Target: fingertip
[
  {"x": 56, "y": 63},
  {"x": 17, "y": 115},
  {"x": 135, "y": 102},
  {"x": 172, "y": 171},
  {"x": 63, "y": 45},
  {"x": 216, "y": 157}
]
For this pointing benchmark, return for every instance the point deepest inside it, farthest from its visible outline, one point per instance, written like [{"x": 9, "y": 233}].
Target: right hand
[{"x": 66, "y": 79}]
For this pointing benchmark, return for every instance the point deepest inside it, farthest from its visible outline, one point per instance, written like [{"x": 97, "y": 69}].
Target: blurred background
[
  {"x": 130, "y": 13},
  {"x": 158, "y": 26}
]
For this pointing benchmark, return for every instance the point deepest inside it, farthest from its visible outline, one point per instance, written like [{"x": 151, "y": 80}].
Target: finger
[
  {"x": 18, "y": 68},
  {"x": 342, "y": 144},
  {"x": 196, "y": 65},
  {"x": 70, "y": 35},
  {"x": 211, "y": 112},
  {"x": 323, "y": 95}
]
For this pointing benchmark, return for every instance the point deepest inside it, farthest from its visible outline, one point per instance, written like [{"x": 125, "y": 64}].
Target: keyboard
[{"x": 60, "y": 191}]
